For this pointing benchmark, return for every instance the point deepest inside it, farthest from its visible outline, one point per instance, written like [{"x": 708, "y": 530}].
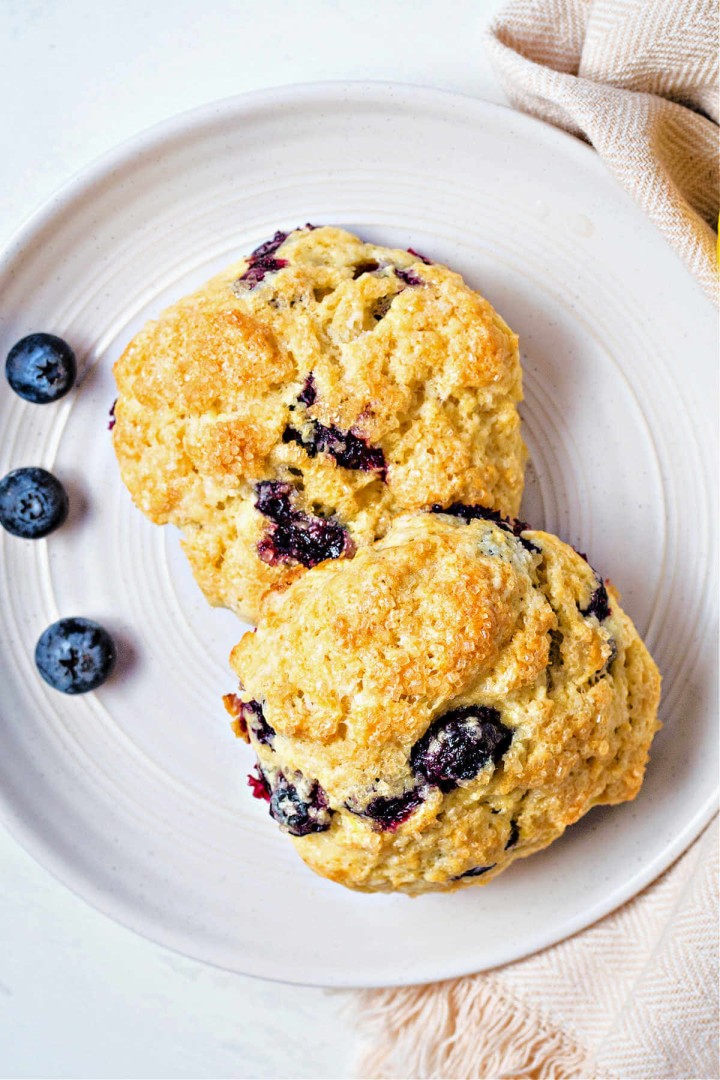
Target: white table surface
[{"x": 81, "y": 996}]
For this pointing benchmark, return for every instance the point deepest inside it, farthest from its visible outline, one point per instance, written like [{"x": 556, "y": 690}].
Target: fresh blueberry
[
  {"x": 300, "y": 808},
  {"x": 387, "y": 813},
  {"x": 259, "y": 785},
  {"x": 350, "y": 451},
  {"x": 599, "y": 605},
  {"x": 41, "y": 368},
  {"x": 457, "y": 745},
  {"x": 475, "y": 512},
  {"x": 32, "y": 503},
  {"x": 295, "y": 536},
  {"x": 75, "y": 655}
]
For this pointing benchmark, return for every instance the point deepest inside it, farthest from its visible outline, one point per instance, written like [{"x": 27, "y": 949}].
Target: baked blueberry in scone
[
  {"x": 288, "y": 410},
  {"x": 447, "y": 701}
]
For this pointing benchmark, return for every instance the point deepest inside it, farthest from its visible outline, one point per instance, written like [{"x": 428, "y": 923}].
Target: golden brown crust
[
  {"x": 355, "y": 661},
  {"x": 405, "y": 356}
]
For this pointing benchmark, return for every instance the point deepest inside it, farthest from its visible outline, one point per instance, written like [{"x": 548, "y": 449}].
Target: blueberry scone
[
  {"x": 446, "y": 702},
  {"x": 286, "y": 412}
]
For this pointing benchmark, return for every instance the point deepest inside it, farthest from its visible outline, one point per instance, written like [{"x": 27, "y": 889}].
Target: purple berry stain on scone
[
  {"x": 308, "y": 394},
  {"x": 599, "y": 605},
  {"x": 408, "y": 277},
  {"x": 264, "y": 251},
  {"x": 349, "y": 450},
  {"x": 257, "y": 272},
  {"x": 262, "y": 261},
  {"x": 259, "y": 785},
  {"x": 295, "y": 536},
  {"x": 422, "y": 258},
  {"x": 388, "y": 813},
  {"x": 251, "y": 714},
  {"x": 475, "y": 512},
  {"x": 457, "y": 745},
  {"x": 111, "y": 414},
  {"x": 300, "y": 807}
]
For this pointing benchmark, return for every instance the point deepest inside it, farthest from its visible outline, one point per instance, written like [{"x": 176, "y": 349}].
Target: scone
[
  {"x": 446, "y": 702},
  {"x": 287, "y": 411}
]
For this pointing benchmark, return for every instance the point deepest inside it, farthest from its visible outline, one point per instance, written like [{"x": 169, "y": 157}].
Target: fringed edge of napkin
[{"x": 466, "y": 1029}]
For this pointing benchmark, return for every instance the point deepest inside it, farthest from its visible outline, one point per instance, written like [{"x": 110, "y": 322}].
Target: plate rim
[
  {"x": 99, "y": 166},
  {"x": 99, "y": 169}
]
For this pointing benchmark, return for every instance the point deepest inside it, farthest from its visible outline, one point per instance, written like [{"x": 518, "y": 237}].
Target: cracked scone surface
[
  {"x": 446, "y": 702},
  {"x": 286, "y": 412}
]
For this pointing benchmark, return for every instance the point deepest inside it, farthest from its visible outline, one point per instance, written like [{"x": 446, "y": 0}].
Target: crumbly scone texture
[
  {"x": 287, "y": 411},
  {"x": 446, "y": 702}
]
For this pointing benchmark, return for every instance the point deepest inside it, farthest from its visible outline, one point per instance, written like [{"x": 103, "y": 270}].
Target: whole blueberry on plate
[
  {"x": 33, "y": 502},
  {"x": 75, "y": 655},
  {"x": 41, "y": 368}
]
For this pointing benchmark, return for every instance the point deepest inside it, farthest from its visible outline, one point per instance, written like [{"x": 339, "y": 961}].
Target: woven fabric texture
[
  {"x": 636, "y": 995},
  {"x": 639, "y": 80}
]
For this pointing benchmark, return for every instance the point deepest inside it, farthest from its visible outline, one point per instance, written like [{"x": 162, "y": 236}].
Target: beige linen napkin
[
  {"x": 636, "y": 995},
  {"x": 634, "y": 78}
]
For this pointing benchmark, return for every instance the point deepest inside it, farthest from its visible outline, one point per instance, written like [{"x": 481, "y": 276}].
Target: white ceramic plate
[{"x": 134, "y": 795}]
